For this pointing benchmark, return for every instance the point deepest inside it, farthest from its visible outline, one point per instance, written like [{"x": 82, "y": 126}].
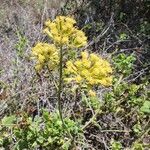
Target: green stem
[
  {"x": 60, "y": 84},
  {"x": 60, "y": 89},
  {"x": 118, "y": 82}
]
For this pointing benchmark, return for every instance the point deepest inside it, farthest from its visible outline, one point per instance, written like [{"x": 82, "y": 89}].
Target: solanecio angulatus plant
[{"x": 87, "y": 71}]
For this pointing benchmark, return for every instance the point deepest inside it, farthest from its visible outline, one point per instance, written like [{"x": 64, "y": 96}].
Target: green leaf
[
  {"x": 116, "y": 145},
  {"x": 146, "y": 107},
  {"x": 8, "y": 121},
  {"x": 66, "y": 145},
  {"x": 40, "y": 139}
]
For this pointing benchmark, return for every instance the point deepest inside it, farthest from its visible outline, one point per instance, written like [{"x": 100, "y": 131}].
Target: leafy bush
[
  {"x": 46, "y": 131},
  {"x": 124, "y": 64}
]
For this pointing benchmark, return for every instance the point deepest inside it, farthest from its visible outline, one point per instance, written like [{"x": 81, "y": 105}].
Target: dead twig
[{"x": 105, "y": 30}]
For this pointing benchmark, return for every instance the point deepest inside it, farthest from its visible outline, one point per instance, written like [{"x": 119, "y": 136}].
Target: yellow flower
[
  {"x": 85, "y": 73},
  {"x": 52, "y": 26},
  {"x": 58, "y": 39},
  {"x": 78, "y": 79},
  {"x": 71, "y": 67},
  {"x": 91, "y": 70},
  {"x": 46, "y": 30},
  {"x": 92, "y": 93},
  {"x": 70, "y": 20},
  {"x": 84, "y": 55},
  {"x": 109, "y": 81},
  {"x": 79, "y": 38},
  {"x": 95, "y": 71},
  {"x": 41, "y": 58},
  {"x": 47, "y": 23},
  {"x": 54, "y": 32},
  {"x": 63, "y": 32},
  {"x": 94, "y": 58},
  {"x": 86, "y": 63},
  {"x": 65, "y": 40},
  {"x": 78, "y": 64},
  {"x": 45, "y": 54},
  {"x": 38, "y": 67}
]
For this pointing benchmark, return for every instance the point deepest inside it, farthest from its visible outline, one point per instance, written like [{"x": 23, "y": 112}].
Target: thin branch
[
  {"x": 91, "y": 120},
  {"x": 105, "y": 30},
  {"x": 138, "y": 73}
]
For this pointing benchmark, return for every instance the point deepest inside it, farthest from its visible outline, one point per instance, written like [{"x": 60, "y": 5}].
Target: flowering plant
[
  {"x": 45, "y": 54},
  {"x": 88, "y": 71},
  {"x": 63, "y": 32}
]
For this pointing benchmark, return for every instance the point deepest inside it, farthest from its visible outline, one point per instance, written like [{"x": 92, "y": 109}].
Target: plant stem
[
  {"x": 60, "y": 84},
  {"x": 92, "y": 119},
  {"x": 60, "y": 90},
  {"x": 125, "y": 131}
]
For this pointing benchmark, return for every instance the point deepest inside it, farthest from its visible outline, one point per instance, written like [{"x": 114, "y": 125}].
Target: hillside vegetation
[{"x": 74, "y": 75}]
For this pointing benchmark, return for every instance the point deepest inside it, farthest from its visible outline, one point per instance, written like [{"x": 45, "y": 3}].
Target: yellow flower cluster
[
  {"x": 91, "y": 69},
  {"x": 63, "y": 32},
  {"x": 92, "y": 93},
  {"x": 45, "y": 54}
]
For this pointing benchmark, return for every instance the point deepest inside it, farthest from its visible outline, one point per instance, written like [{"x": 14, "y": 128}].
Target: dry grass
[{"x": 22, "y": 19}]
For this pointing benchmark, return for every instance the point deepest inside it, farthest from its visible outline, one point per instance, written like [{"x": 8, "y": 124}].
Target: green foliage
[
  {"x": 91, "y": 101},
  {"x": 137, "y": 128},
  {"x": 146, "y": 107},
  {"x": 94, "y": 102},
  {"x": 21, "y": 45},
  {"x": 122, "y": 16},
  {"x": 98, "y": 26},
  {"x": 145, "y": 27},
  {"x": 46, "y": 131},
  {"x": 115, "y": 145},
  {"x": 128, "y": 95},
  {"x": 8, "y": 120},
  {"x": 123, "y": 36},
  {"x": 137, "y": 146},
  {"x": 124, "y": 64}
]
